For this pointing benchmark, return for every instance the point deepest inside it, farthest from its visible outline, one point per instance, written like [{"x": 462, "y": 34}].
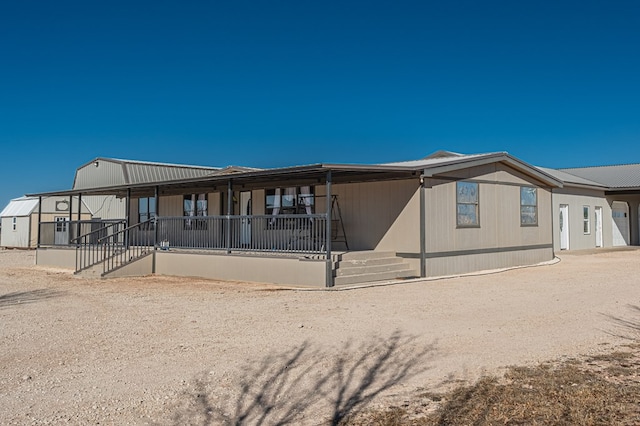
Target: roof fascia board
[{"x": 462, "y": 163}]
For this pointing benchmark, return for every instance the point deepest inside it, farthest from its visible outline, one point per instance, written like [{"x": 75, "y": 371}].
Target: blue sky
[{"x": 277, "y": 83}]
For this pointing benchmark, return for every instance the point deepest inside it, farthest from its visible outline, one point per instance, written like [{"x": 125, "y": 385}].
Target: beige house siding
[
  {"x": 499, "y": 240},
  {"x": 381, "y": 216},
  {"x": 576, "y": 198}
]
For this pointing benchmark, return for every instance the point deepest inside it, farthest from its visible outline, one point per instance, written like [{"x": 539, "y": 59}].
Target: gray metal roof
[
  {"x": 571, "y": 180},
  {"x": 22, "y": 206},
  {"x": 439, "y": 157},
  {"x": 614, "y": 177},
  {"x": 102, "y": 172}
]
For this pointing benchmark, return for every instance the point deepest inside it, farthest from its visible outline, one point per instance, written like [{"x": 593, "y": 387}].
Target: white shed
[{"x": 19, "y": 219}]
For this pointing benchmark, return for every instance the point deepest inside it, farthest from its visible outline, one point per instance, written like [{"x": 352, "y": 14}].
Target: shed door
[
  {"x": 61, "y": 234},
  {"x": 564, "y": 227},
  {"x": 598, "y": 215},
  {"x": 620, "y": 213}
]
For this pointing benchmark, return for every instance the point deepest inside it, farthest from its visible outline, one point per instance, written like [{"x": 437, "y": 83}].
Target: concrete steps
[{"x": 369, "y": 266}]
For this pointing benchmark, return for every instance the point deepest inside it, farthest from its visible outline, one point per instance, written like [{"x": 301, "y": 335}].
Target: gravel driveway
[{"x": 165, "y": 350}]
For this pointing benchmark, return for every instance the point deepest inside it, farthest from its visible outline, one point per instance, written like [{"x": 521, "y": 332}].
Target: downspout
[
  {"x": 329, "y": 263},
  {"x": 423, "y": 225},
  {"x": 229, "y": 213}
]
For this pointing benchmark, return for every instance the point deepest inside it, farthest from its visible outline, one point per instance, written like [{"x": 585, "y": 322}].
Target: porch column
[
  {"x": 423, "y": 220},
  {"x": 229, "y": 213},
  {"x": 329, "y": 269},
  {"x": 70, "y": 219},
  {"x": 127, "y": 214},
  {"x": 155, "y": 230},
  {"x": 79, "y": 217},
  {"x": 39, "y": 220}
]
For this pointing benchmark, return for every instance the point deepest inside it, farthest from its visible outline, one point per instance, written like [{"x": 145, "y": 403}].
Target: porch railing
[
  {"x": 66, "y": 232},
  {"x": 89, "y": 248},
  {"x": 256, "y": 233},
  {"x": 126, "y": 245}
]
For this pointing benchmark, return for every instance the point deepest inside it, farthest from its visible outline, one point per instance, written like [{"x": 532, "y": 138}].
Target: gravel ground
[{"x": 166, "y": 350}]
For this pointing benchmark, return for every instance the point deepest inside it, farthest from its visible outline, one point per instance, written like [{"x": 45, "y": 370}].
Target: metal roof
[
  {"x": 615, "y": 177},
  {"x": 571, "y": 180},
  {"x": 117, "y": 171},
  {"x": 342, "y": 173},
  {"x": 22, "y": 206}
]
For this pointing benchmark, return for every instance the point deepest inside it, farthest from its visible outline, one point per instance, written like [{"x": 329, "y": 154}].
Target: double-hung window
[
  {"x": 586, "y": 225},
  {"x": 467, "y": 204},
  {"x": 528, "y": 206},
  {"x": 195, "y": 205}
]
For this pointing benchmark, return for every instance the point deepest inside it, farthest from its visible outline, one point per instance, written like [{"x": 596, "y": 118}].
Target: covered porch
[{"x": 285, "y": 227}]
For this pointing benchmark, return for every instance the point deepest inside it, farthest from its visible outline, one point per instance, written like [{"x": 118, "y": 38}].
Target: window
[
  {"x": 146, "y": 209},
  {"x": 292, "y": 200},
  {"x": 195, "y": 205},
  {"x": 528, "y": 206},
  {"x": 467, "y": 204},
  {"x": 586, "y": 226},
  {"x": 14, "y": 223}
]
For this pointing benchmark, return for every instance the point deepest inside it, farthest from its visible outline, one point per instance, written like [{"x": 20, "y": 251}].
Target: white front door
[
  {"x": 61, "y": 233},
  {"x": 598, "y": 216},
  {"x": 564, "y": 227},
  {"x": 620, "y": 213},
  {"x": 245, "y": 221}
]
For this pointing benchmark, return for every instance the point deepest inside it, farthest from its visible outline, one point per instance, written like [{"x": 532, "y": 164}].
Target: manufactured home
[{"x": 314, "y": 225}]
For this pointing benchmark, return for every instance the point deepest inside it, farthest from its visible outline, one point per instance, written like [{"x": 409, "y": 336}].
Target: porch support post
[
  {"x": 39, "y": 221},
  {"x": 155, "y": 230},
  {"x": 423, "y": 226},
  {"x": 127, "y": 214},
  {"x": 329, "y": 272},
  {"x": 229, "y": 213},
  {"x": 127, "y": 217},
  {"x": 70, "y": 219},
  {"x": 79, "y": 216}
]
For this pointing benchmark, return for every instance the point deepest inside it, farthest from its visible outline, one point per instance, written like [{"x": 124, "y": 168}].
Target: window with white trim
[
  {"x": 14, "y": 223},
  {"x": 586, "y": 224},
  {"x": 467, "y": 204},
  {"x": 528, "y": 206}
]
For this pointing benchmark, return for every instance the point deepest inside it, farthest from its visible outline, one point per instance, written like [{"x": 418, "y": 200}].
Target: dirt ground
[{"x": 166, "y": 350}]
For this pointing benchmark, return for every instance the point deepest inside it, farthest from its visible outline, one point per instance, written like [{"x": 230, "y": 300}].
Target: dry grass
[{"x": 600, "y": 390}]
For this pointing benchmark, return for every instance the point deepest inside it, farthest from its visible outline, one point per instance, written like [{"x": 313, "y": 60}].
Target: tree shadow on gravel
[
  {"x": 24, "y": 297},
  {"x": 305, "y": 385},
  {"x": 626, "y": 327}
]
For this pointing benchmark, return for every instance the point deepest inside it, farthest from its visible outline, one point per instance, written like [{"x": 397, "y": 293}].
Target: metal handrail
[{"x": 76, "y": 240}]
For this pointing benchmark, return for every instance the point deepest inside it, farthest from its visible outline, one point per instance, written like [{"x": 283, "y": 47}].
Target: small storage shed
[{"x": 20, "y": 219}]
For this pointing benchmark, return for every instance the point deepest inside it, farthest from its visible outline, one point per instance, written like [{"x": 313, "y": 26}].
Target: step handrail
[{"x": 117, "y": 254}]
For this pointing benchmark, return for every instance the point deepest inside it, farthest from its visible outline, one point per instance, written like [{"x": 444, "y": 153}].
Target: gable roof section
[
  {"x": 102, "y": 172},
  {"x": 22, "y": 206},
  {"x": 444, "y": 162},
  {"x": 623, "y": 176}
]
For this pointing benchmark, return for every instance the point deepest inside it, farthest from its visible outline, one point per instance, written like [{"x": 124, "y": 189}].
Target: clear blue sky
[{"x": 276, "y": 83}]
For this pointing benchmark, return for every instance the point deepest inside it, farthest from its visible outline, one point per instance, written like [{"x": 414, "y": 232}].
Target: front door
[
  {"x": 598, "y": 215},
  {"x": 61, "y": 234},
  {"x": 564, "y": 227},
  {"x": 245, "y": 221}
]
